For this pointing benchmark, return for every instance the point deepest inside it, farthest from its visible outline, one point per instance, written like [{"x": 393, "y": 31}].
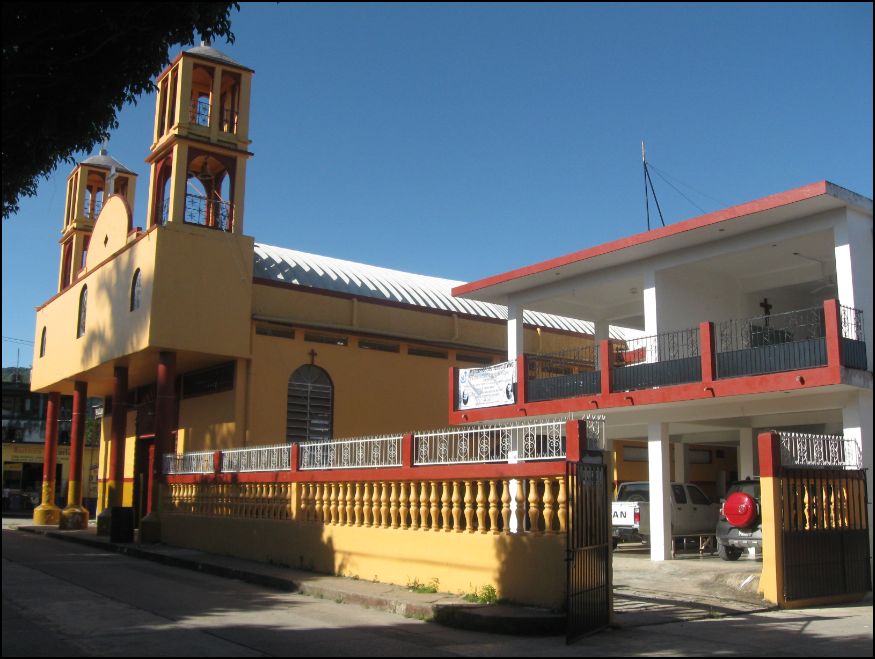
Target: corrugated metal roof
[{"x": 330, "y": 274}]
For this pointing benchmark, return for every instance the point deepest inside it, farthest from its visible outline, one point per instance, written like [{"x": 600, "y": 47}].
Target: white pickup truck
[{"x": 692, "y": 512}]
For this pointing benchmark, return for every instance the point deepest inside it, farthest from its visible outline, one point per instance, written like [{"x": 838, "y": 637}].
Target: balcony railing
[
  {"x": 799, "y": 451},
  {"x": 257, "y": 458},
  {"x": 212, "y": 213},
  {"x": 657, "y": 361},
  {"x": 853, "y": 338},
  {"x": 200, "y": 112},
  {"x": 197, "y": 462},
  {"x": 359, "y": 453},
  {"x": 562, "y": 374},
  {"x": 770, "y": 344}
]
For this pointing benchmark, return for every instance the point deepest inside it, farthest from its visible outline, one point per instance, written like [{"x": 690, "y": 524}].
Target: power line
[
  {"x": 10, "y": 339},
  {"x": 664, "y": 175}
]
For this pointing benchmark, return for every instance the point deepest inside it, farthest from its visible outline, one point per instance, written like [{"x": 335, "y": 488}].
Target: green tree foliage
[{"x": 69, "y": 68}]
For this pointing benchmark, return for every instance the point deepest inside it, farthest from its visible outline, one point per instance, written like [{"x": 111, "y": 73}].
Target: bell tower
[
  {"x": 201, "y": 141},
  {"x": 89, "y": 185}
]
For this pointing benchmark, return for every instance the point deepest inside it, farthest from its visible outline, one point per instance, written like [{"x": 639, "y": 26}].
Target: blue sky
[{"x": 466, "y": 140}]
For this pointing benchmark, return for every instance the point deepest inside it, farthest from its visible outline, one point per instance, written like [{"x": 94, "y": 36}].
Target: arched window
[
  {"x": 310, "y": 406},
  {"x": 83, "y": 308},
  {"x": 42, "y": 343},
  {"x": 136, "y": 288}
]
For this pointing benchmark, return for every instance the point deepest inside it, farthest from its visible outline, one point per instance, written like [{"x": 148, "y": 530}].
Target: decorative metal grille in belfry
[
  {"x": 359, "y": 453},
  {"x": 214, "y": 213},
  {"x": 770, "y": 344},
  {"x": 257, "y": 458},
  {"x": 534, "y": 441},
  {"x": 799, "y": 451},
  {"x": 197, "y": 462},
  {"x": 588, "y": 553}
]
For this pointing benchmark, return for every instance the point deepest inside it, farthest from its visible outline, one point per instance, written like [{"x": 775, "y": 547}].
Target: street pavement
[{"x": 65, "y": 599}]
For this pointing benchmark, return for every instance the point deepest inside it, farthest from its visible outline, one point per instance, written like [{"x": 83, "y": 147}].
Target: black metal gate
[
  {"x": 588, "y": 589},
  {"x": 824, "y": 529}
]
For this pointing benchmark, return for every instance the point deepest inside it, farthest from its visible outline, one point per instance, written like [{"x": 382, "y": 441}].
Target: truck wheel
[{"x": 728, "y": 553}]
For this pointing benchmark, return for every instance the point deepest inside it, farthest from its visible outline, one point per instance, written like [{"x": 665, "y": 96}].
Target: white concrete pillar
[
  {"x": 515, "y": 336},
  {"x": 660, "y": 487},
  {"x": 857, "y": 425},
  {"x": 681, "y": 462},
  {"x": 651, "y": 324},
  {"x": 853, "y": 257},
  {"x": 746, "y": 452}
]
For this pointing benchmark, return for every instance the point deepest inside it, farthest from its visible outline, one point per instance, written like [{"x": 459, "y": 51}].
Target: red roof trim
[{"x": 734, "y": 212}]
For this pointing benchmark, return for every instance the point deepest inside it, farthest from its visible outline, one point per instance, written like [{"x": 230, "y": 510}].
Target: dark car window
[
  {"x": 698, "y": 497},
  {"x": 751, "y": 488},
  {"x": 679, "y": 495}
]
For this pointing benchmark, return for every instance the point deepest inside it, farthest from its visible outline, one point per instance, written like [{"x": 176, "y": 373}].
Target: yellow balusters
[
  {"x": 423, "y": 506},
  {"x": 519, "y": 513},
  {"x": 445, "y": 505},
  {"x": 469, "y": 507},
  {"x": 493, "y": 506},
  {"x": 350, "y": 504},
  {"x": 562, "y": 500},
  {"x": 457, "y": 509},
  {"x": 358, "y": 504},
  {"x": 433, "y": 500},
  {"x": 393, "y": 505},
  {"x": 414, "y": 506},
  {"x": 366, "y": 504},
  {"x": 505, "y": 506},
  {"x": 384, "y": 505},
  {"x": 375, "y": 505},
  {"x": 403, "y": 508},
  {"x": 534, "y": 501},
  {"x": 481, "y": 507},
  {"x": 548, "y": 505}
]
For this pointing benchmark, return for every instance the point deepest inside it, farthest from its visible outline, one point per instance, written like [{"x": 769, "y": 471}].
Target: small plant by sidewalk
[
  {"x": 417, "y": 587},
  {"x": 485, "y": 595}
]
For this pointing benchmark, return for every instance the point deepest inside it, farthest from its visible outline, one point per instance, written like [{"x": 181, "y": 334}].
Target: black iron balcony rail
[
  {"x": 853, "y": 338},
  {"x": 562, "y": 374},
  {"x": 663, "y": 359},
  {"x": 200, "y": 112},
  {"x": 213, "y": 213},
  {"x": 771, "y": 344}
]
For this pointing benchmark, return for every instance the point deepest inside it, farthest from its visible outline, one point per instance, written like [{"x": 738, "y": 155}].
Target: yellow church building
[{"x": 199, "y": 338}]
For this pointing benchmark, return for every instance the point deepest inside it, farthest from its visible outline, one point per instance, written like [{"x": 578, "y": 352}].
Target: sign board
[{"x": 487, "y": 387}]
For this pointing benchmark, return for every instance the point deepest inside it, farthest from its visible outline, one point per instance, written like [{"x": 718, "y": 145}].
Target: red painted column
[
  {"x": 47, "y": 512},
  {"x": 75, "y": 516},
  {"x": 165, "y": 403},
  {"x": 605, "y": 364},
  {"x": 407, "y": 450},
  {"x": 833, "y": 333},
  {"x": 575, "y": 439},
  {"x": 706, "y": 350},
  {"x": 117, "y": 439}
]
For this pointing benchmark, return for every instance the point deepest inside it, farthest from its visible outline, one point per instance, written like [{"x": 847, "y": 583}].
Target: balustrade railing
[
  {"x": 562, "y": 374},
  {"x": 501, "y": 443},
  {"x": 213, "y": 213},
  {"x": 196, "y": 462},
  {"x": 654, "y": 361},
  {"x": 258, "y": 458},
  {"x": 358, "y": 453},
  {"x": 772, "y": 343},
  {"x": 800, "y": 450}
]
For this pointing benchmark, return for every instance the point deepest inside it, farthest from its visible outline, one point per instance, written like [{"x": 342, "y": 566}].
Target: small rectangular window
[
  {"x": 422, "y": 352},
  {"x": 209, "y": 380},
  {"x": 474, "y": 359},
  {"x": 281, "y": 332},
  {"x": 327, "y": 339},
  {"x": 382, "y": 347}
]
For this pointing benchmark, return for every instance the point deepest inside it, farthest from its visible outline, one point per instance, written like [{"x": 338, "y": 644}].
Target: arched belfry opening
[{"x": 201, "y": 143}]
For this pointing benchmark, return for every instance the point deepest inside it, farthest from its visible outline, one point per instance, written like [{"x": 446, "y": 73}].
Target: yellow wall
[
  {"x": 527, "y": 568},
  {"x": 208, "y": 422}
]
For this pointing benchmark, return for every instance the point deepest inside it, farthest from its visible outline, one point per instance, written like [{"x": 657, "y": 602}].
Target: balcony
[
  {"x": 690, "y": 363},
  {"x": 210, "y": 213}
]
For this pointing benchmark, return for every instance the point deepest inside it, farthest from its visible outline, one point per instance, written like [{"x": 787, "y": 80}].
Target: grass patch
[
  {"x": 484, "y": 595},
  {"x": 417, "y": 587}
]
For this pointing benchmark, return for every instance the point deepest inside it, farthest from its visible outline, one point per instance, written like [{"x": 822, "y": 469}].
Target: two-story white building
[{"x": 755, "y": 317}]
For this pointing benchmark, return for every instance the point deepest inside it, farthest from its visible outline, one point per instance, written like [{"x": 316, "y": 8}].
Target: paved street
[{"x": 65, "y": 599}]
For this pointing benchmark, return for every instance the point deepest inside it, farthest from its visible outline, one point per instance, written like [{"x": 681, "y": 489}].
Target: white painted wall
[
  {"x": 853, "y": 254},
  {"x": 690, "y": 294}
]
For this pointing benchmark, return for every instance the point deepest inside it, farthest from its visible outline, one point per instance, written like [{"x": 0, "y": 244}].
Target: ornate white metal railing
[
  {"x": 257, "y": 458},
  {"x": 501, "y": 443},
  {"x": 800, "y": 450},
  {"x": 358, "y": 453},
  {"x": 197, "y": 462}
]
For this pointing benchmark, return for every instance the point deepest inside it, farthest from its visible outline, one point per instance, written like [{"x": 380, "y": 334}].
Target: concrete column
[
  {"x": 857, "y": 425},
  {"x": 515, "y": 336},
  {"x": 165, "y": 404},
  {"x": 681, "y": 462},
  {"x": 602, "y": 332},
  {"x": 47, "y": 512},
  {"x": 75, "y": 515},
  {"x": 746, "y": 450},
  {"x": 660, "y": 488},
  {"x": 118, "y": 437},
  {"x": 853, "y": 256},
  {"x": 178, "y": 183},
  {"x": 649, "y": 294}
]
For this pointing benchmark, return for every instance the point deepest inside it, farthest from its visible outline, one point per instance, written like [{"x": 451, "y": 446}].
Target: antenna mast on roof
[{"x": 648, "y": 180}]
